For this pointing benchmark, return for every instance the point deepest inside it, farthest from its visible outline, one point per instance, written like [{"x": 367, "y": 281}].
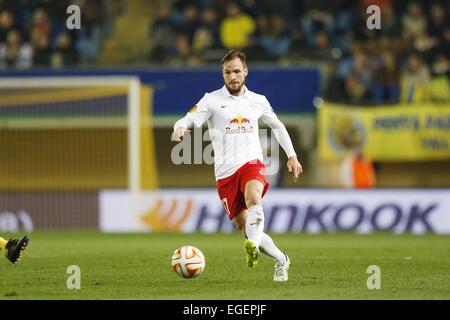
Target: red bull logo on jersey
[{"x": 240, "y": 121}]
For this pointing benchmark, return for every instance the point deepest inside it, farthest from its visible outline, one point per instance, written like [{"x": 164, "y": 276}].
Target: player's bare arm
[{"x": 295, "y": 167}]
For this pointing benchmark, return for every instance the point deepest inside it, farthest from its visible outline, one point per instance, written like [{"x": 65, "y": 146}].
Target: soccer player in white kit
[{"x": 232, "y": 113}]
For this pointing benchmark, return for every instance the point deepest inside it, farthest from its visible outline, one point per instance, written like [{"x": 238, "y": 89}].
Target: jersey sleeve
[
  {"x": 268, "y": 115},
  {"x": 270, "y": 118},
  {"x": 199, "y": 113}
]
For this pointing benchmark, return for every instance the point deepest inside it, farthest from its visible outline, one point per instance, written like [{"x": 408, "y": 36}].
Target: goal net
[{"x": 63, "y": 140}]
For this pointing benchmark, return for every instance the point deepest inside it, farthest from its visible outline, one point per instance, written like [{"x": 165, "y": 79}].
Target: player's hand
[
  {"x": 295, "y": 167},
  {"x": 180, "y": 132}
]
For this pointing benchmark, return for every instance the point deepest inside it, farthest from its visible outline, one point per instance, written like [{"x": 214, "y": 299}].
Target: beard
[{"x": 234, "y": 91}]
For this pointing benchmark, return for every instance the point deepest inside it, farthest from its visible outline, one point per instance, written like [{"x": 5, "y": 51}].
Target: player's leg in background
[
  {"x": 13, "y": 248},
  {"x": 3, "y": 245}
]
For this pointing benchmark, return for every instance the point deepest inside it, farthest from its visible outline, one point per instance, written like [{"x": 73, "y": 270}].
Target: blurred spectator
[
  {"x": 357, "y": 172},
  {"x": 298, "y": 38},
  {"x": 55, "y": 10},
  {"x": 319, "y": 17},
  {"x": 207, "y": 35},
  {"x": 41, "y": 25},
  {"x": 94, "y": 24},
  {"x": 415, "y": 80},
  {"x": 94, "y": 13},
  {"x": 236, "y": 28},
  {"x": 397, "y": 47},
  {"x": 423, "y": 44},
  {"x": 342, "y": 29},
  {"x": 6, "y": 24},
  {"x": 182, "y": 47},
  {"x": 414, "y": 22},
  {"x": 203, "y": 40},
  {"x": 440, "y": 66},
  {"x": 437, "y": 22},
  {"x": 163, "y": 33},
  {"x": 65, "y": 54},
  {"x": 439, "y": 88},
  {"x": 444, "y": 44},
  {"x": 191, "y": 21},
  {"x": 391, "y": 26},
  {"x": 322, "y": 46},
  {"x": 182, "y": 54},
  {"x": 274, "y": 38},
  {"x": 14, "y": 53},
  {"x": 42, "y": 51},
  {"x": 355, "y": 92},
  {"x": 386, "y": 87},
  {"x": 358, "y": 79}
]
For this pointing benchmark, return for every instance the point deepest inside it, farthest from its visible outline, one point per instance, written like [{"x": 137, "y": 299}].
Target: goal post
[{"x": 62, "y": 135}]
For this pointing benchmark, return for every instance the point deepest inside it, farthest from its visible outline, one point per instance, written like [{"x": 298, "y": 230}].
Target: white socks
[
  {"x": 254, "y": 228},
  {"x": 254, "y": 225},
  {"x": 268, "y": 247}
]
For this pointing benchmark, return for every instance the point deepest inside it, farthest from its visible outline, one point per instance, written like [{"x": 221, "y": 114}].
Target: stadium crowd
[
  {"x": 33, "y": 33},
  {"x": 406, "y": 60}
]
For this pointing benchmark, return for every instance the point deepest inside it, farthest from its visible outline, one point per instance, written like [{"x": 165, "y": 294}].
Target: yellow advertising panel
[{"x": 392, "y": 133}]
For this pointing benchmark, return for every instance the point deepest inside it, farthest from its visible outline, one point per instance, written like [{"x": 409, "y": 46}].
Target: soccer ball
[{"x": 188, "y": 262}]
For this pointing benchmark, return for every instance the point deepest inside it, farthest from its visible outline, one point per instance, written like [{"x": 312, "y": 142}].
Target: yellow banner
[{"x": 393, "y": 133}]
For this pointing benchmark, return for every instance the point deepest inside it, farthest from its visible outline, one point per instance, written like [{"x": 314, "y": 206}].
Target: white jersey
[{"x": 233, "y": 127}]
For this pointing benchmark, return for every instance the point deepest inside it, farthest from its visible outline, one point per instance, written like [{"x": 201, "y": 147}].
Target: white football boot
[{"x": 281, "y": 270}]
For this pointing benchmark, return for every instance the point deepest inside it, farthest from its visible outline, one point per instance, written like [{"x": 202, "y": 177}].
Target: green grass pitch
[{"x": 137, "y": 266}]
